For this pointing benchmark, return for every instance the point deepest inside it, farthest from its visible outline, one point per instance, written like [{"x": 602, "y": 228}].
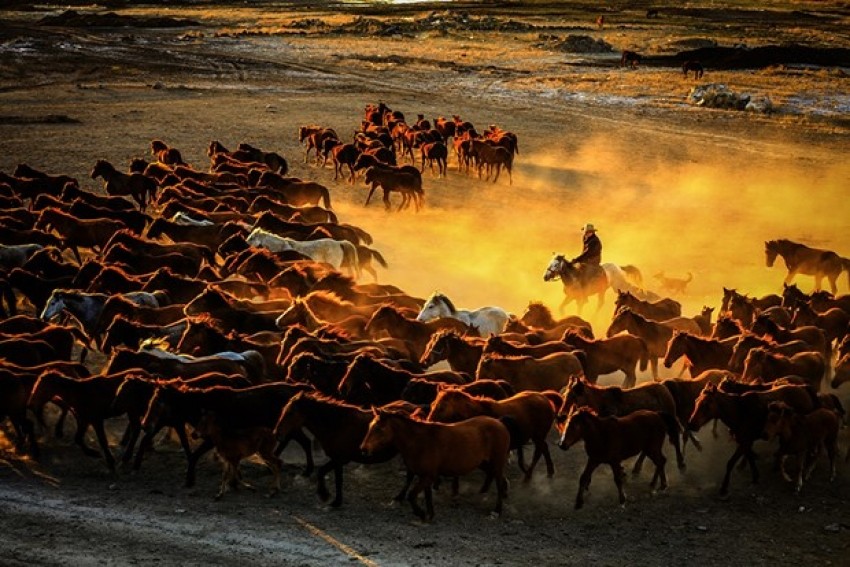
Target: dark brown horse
[
  {"x": 528, "y": 373},
  {"x": 700, "y": 354},
  {"x": 406, "y": 180},
  {"x": 530, "y": 416},
  {"x": 610, "y": 440},
  {"x": 801, "y": 259},
  {"x": 430, "y": 450},
  {"x": 461, "y": 352},
  {"x": 745, "y": 415},
  {"x": 764, "y": 366},
  {"x": 655, "y": 335},
  {"x": 339, "y": 428},
  {"x": 660, "y": 310},
  {"x": 141, "y": 188},
  {"x": 616, "y": 401}
]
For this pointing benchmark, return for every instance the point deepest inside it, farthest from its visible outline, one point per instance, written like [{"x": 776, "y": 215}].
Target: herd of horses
[
  {"x": 219, "y": 301},
  {"x": 384, "y": 139}
]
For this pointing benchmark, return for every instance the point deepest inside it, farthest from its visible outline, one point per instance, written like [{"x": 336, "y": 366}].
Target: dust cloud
[{"x": 677, "y": 210}]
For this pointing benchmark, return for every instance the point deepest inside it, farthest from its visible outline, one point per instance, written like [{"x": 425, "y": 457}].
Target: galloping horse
[
  {"x": 578, "y": 287},
  {"x": 800, "y": 259},
  {"x": 488, "y": 320}
]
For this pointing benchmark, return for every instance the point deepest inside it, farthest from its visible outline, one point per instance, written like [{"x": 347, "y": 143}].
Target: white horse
[
  {"x": 86, "y": 308},
  {"x": 252, "y": 360},
  {"x": 337, "y": 253},
  {"x": 183, "y": 219},
  {"x": 579, "y": 290},
  {"x": 488, "y": 320}
]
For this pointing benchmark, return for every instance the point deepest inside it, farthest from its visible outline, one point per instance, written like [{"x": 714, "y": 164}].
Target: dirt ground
[{"x": 672, "y": 188}]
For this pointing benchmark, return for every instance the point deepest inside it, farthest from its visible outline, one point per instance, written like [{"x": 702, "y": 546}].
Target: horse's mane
[
  {"x": 323, "y": 399},
  {"x": 334, "y": 277},
  {"x": 154, "y": 343},
  {"x": 497, "y": 356},
  {"x": 331, "y": 331},
  {"x": 327, "y": 296},
  {"x": 442, "y": 297}
]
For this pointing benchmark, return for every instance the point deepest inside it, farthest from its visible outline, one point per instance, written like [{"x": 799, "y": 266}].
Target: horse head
[
  {"x": 438, "y": 305},
  {"x": 770, "y": 252},
  {"x": 556, "y": 268}
]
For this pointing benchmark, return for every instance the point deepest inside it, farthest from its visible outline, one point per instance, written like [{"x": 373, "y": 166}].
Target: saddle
[{"x": 589, "y": 273}]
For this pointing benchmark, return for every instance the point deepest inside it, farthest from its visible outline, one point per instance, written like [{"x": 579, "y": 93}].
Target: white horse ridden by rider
[
  {"x": 337, "y": 253},
  {"x": 487, "y": 320}
]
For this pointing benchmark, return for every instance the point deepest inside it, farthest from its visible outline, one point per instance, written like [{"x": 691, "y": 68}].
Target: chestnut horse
[
  {"x": 701, "y": 354},
  {"x": 430, "y": 450},
  {"x": 141, "y": 188},
  {"x": 800, "y": 259},
  {"x": 462, "y": 353},
  {"x": 531, "y": 415}
]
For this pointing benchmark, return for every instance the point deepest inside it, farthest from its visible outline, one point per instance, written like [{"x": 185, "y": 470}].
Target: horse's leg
[
  {"x": 369, "y": 196},
  {"x": 660, "y": 461},
  {"x": 521, "y": 460},
  {"x": 193, "y": 458},
  {"x": 639, "y": 463},
  {"x": 79, "y": 439},
  {"x": 387, "y": 203},
  {"x": 420, "y": 485},
  {"x": 321, "y": 486},
  {"x": 550, "y": 466},
  {"x": 584, "y": 482},
  {"x": 299, "y": 437},
  {"x": 654, "y": 364},
  {"x": 833, "y": 283},
  {"x": 134, "y": 428},
  {"x": 619, "y": 479},
  {"x": 563, "y": 304},
  {"x": 498, "y": 171},
  {"x": 337, "y": 501},
  {"x": 429, "y": 503},
  {"x": 818, "y": 282},
  {"x": 739, "y": 452},
  {"x": 104, "y": 444},
  {"x": 408, "y": 480}
]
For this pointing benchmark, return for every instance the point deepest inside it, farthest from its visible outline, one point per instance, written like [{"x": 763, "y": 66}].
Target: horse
[
  {"x": 528, "y": 373},
  {"x": 579, "y": 285},
  {"x": 804, "y": 436},
  {"x": 760, "y": 303},
  {"x": 660, "y": 310},
  {"x": 87, "y": 307},
  {"x": 76, "y": 233},
  {"x": 490, "y": 156},
  {"x": 630, "y": 59},
  {"x": 842, "y": 371},
  {"x": 616, "y": 401},
  {"x": 233, "y": 445},
  {"x": 748, "y": 341},
  {"x": 834, "y": 321},
  {"x": 461, "y": 352},
  {"x": 531, "y": 415},
  {"x": 813, "y": 336},
  {"x": 801, "y": 259},
  {"x": 340, "y": 429},
  {"x": 701, "y": 354},
  {"x": 16, "y": 255},
  {"x": 487, "y": 320},
  {"x": 539, "y": 316},
  {"x": 610, "y": 440},
  {"x": 655, "y": 335},
  {"x": 604, "y": 356},
  {"x": 430, "y": 450},
  {"x": 337, "y": 253},
  {"x": 435, "y": 152},
  {"x": 406, "y": 180},
  {"x": 388, "y": 319},
  {"x": 685, "y": 392},
  {"x": 695, "y": 66},
  {"x": 745, "y": 415},
  {"x": 764, "y": 366},
  {"x": 141, "y": 188}
]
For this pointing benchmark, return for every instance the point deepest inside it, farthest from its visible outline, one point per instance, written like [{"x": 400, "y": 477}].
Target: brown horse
[
  {"x": 430, "y": 450},
  {"x": 528, "y": 373},
  {"x": 700, "y": 354},
  {"x": 813, "y": 336},
  {"x": 141, "y": 188},
  {"x": 75, "y": 233},
  {"x": 655, "y": 335},
  {"x": 749, "y": 341},
  {"x": 462, "y": 353},
  {"x": 660, "y": 310},
  {"x": 745, "y": 415},
  {"x": 834, "y": 321},
  {"x": 539, "y": 316},
  {"x": 492, "y": 156},
  {"x": 405, "y": 180},
  {"x": 339, "y": 428},
  {"x": 603, "y": 356},
  {"x": 800, "y": 259},
  {"x": 764, "y": 366},
  {"x": 616, "y": 401},
  {"x": 804, "y": 436},
  {"x": 529, "y": 417},
  {"x": 416, "y": 334},
  {"x": 610, "y": 440}
]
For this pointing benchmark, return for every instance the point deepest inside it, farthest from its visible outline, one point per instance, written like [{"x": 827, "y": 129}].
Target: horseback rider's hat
[{"x": 589, "y": 228}]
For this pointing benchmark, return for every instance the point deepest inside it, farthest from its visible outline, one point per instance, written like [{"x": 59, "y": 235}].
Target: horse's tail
[
  {"x": 151, "y": 188},
  {"x": 690, "y": 278},
  {"x": 350, "y": 257},
  {"x": 674, "y": 430},
  {"x": 362, "y": 234},
  {"x": 845, "y": 265},
  {"x": 555, "y": 399},
  {"x": 326, "y": 198},
  {"x": 644, "y": 355},
  {"x": 516, "y": 434},
  {"x": 374, "y": 253}
]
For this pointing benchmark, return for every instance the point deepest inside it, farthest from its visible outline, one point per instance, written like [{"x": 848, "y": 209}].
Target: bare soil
[{"x": 672, "y": 187}]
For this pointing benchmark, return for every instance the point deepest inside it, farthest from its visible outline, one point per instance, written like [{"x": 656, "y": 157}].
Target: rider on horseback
[{"x": 591, "y": 255}]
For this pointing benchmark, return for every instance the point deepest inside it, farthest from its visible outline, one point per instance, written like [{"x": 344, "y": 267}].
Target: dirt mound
[
  {"x": 74, "y": 19},
  {"x": 444, "y": 22},
  {"x": 575, "y": 44}
]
